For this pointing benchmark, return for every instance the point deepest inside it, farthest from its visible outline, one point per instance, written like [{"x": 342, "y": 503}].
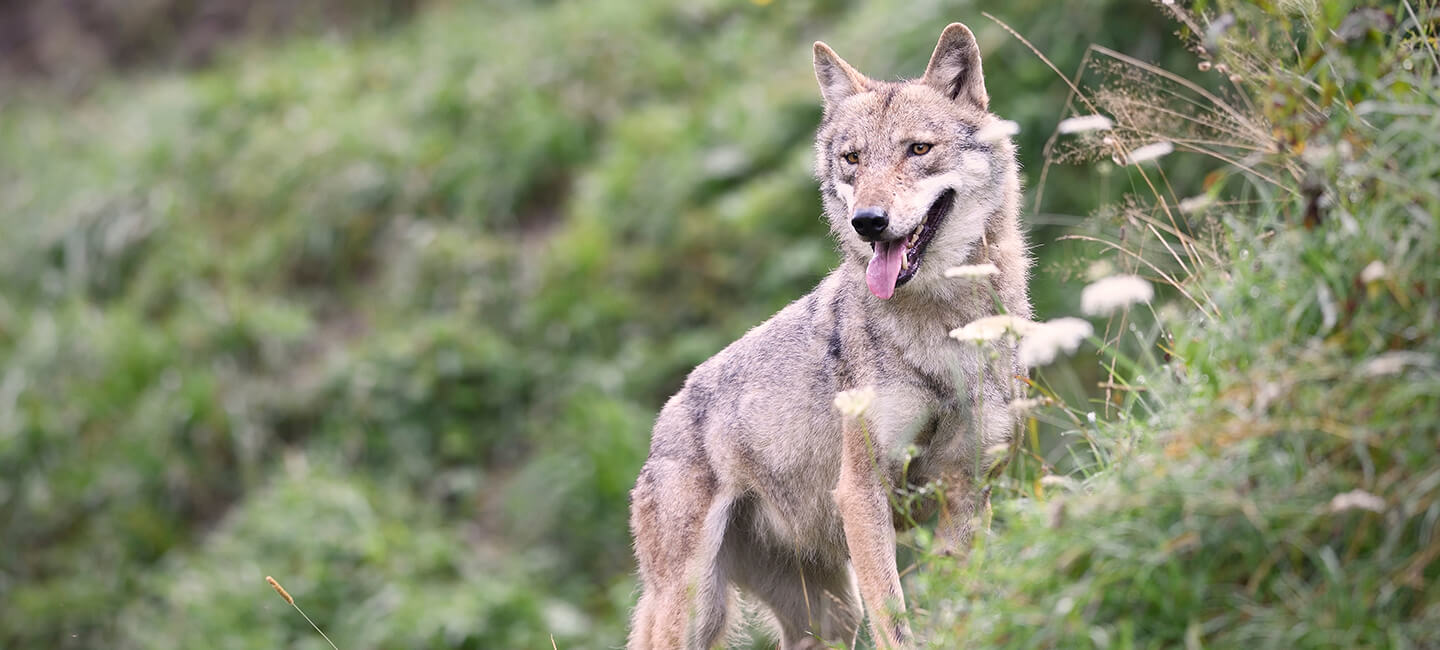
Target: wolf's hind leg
[
  {"x": 814, "y": 604},
  {"x": 679, "y": 520}
]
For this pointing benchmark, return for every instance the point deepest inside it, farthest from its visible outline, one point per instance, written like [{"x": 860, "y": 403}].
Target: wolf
[{"x": 755, "y": 481}]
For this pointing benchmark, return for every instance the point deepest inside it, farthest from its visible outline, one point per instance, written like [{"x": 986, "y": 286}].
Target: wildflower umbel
[
  {"x": 997, "y": 130},
  {"x": 1357, "y": 499},
  {"x": 1039, "y": 342},
  {"x": 1107, "y": 295},
  {"x": 1083, "y": 123},
  {"x": 1195, "y": 203},
  {"x": 852, "y": 403},
  {"x": 1058, "y": 480},
  {"x": 997, "y": 450},
  {"x": 1043, "y": 342},
  {"x": 990, "y": 328},
  {"x": 1372, "y": 272},
  {"x": 1024, "y": 405},
  {"x": 972, "y": 271},
  {"x": 1393, "y": 363},
  {"x": 1149, "y": 152}
]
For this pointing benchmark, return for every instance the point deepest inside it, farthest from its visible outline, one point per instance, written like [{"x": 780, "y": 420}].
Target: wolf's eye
[
  {"x": 852, "y": 158},
  {"x": 920, "y": 148}
]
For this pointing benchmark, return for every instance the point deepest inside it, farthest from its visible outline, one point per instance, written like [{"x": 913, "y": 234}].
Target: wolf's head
[{"x": 909, "y": 173}]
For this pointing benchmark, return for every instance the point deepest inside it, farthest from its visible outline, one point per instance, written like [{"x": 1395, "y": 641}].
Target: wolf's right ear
[
  {"x": 954, "y": 68},
  {"x": 837, "y": 79}
]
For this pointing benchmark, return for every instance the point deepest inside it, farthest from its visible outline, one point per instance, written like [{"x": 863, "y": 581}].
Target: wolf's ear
[
  {"x": 954, "y": 68},
  {"x": 837, "y": 79}
]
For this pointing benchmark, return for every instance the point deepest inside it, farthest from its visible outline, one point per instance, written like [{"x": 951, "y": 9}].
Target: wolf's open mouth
[
  {"x": 920, "y": 238},
  {"x": 883, "y": 267}
]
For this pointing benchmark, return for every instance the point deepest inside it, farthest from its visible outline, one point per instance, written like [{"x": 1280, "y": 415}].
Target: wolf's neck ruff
[{"x": 897, "y": 260}]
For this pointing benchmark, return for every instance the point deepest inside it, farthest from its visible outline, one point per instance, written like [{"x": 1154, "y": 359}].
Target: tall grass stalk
[{"x": 275, "y": 584}]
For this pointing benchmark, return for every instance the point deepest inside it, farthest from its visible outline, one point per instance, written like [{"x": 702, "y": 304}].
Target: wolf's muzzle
[{"x": 870, "y": 222}]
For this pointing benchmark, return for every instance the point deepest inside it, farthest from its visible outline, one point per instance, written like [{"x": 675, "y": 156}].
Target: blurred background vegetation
[{"x": 381, "y": 297}]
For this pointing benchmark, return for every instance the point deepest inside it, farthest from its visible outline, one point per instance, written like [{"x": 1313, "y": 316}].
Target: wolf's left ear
[
  {"x": 837, "y": 79},
  {"x": 954, "y": 68}
]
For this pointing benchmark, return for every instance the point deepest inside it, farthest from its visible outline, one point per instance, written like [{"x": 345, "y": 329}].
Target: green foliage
[
  {"x": 1284, "y": 490},
  {"x": 457, "y": 265},
  {"x": 386, "y": 568}
]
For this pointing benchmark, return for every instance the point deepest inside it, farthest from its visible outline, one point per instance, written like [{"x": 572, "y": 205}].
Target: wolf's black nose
[{"x": 870, "y": 222}]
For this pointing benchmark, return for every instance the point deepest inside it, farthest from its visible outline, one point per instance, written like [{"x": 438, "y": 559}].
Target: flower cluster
[
  {"x": 1047, "y": 340},
  {"x": 1357, "y": 499},
  {"x": 1040, "y": 343},
  {"x": 1084, "y": 123},
  {"x": 972, "y": 270},
  {"x": 852, "y": 403},
  {"x": 1149, "y": 152},
  {"x": 991, "y": 328},
  {"x": 1105, "y": 296},
  {"x": 997, "y": 130}
]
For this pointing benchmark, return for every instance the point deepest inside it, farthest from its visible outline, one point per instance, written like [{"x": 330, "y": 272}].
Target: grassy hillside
[{"x": 388, "y": 317}]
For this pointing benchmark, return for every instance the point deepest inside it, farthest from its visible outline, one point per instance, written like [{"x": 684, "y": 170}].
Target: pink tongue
[{"x": 884, "y": 268}]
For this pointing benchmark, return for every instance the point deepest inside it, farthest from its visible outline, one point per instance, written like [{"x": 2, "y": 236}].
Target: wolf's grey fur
[{"x": 755, "y": 481}]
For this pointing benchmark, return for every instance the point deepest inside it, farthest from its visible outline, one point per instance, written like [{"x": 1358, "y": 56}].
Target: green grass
[
  {"x": 1216, "y": 518},
  {"x": 388, "y": 315}
]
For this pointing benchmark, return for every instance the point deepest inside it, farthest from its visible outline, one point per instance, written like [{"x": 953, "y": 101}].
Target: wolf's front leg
[
  {"x": 861, "y": 494},
  {"x": 963, "y": 515},
  {"x": 966, "y": 505}
]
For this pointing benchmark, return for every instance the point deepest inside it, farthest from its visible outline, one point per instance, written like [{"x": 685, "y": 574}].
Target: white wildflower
[
  {"x": 997, "y": 130},
  {"x": 1099, "y": 270},
  {"x": 990, "y": 328},
  {"x": 1169, "y": 313},
  {"x": 1025, "y": 405},
  {"x": 1372, "y": 272},
  {"x": 1329, "y": 311},
  {"x": 1149, "y": 152},
  {"x": 1317, "y": 154},
  {"x": 1084, "y": 123},
  {"x": 1117, "y": 291},
  {"x": 1056, "y": 480},
  {"x": 971, "y": 270},
  {"x": 1393, "y": 363},
  {"x": 1195, "y": 203},
  {"x": 1357, "y": 499},
  {"x": 852, "y": 403},
  {"x": 1064, "y": 605},
  {"x": 1044, "y": 341}
]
